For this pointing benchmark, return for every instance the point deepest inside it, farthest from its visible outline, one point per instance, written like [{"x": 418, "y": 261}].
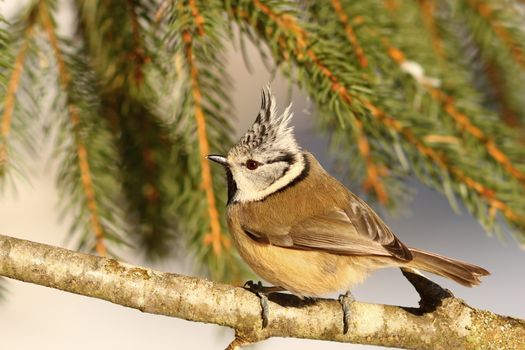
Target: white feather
[
  {"x": 270, "y": 137},
  {"x": 249, "y": 192}
]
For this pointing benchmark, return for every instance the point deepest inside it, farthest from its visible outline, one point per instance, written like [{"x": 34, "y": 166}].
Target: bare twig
[{"x": 451, "y": 325}]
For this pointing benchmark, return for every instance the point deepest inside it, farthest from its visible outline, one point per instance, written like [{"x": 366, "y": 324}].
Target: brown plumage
[
  {"x": 314, "y": 237},
  {"x": 301, "y": 229}
]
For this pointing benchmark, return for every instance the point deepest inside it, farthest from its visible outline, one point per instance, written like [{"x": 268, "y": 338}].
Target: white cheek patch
[
  {"x": 271, "y": 173},
  {"x": 248, "y": 192}
]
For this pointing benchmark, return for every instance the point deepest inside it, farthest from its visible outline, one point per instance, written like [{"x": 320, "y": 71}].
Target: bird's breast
[{"x": 302, "y": 272}]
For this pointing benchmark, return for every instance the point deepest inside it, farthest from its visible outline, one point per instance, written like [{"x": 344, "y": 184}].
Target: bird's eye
[{"x": 252, "y": 164}]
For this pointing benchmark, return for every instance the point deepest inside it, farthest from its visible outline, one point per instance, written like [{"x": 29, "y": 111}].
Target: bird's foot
[
  {"x": 262, "y": 292},
  {"x": 346, "y": 301}
]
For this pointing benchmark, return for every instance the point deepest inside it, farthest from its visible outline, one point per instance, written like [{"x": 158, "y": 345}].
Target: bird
[{"x": 301, "y": 229}]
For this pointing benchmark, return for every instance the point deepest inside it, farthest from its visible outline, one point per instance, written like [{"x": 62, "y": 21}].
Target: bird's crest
[{"x": 270, "y": 130}]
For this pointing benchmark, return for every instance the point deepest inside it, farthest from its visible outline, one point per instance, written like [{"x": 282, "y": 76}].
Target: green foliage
[
  {"x": 18, "y": 67},
  {"x": 199, "y": 47},
  {"x": 89, "y": 134},
  {"x": 431, "y": 89},
  {"x": 395, "y": 107},
  {"x": 5, "y": 60},
  {"x": 141, "y": 138}
]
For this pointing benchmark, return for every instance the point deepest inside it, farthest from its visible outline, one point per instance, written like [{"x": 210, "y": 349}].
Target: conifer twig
[
  {"x": 197, "y": 17},
  {"x": 289, "y": 23},
  {"x": 391, "y": 5},
  {"x": 507, "y": 112},
  {"x": 350, "y": 34},
  {"x": 9, "y": 101},
  {"x": 428, "y": 12},
  {"x": 441, "y": 161},
  {"x": 462, "y": 120},
  {"x": 10, "y": 96},
  {"x": 138, "y": 50},
  {"x": 373, "y": 172},
  {"x": 486, "y": 11},
  {"x": 215, "y": 237},
  {"x": 82, "y": 153}
]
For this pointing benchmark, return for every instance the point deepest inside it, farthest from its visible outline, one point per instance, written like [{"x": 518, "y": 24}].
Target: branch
[
  {"x": 350, "y": 34},
  {"x": 302, "y": 48},
  {"x": 486, "y": 11},
  {"x": 373, "y": 171},
  {"x": 138, "y": 51},
  {"x": 447, "y": 324},
  {"x": 215, "y": 236},
  {"x": 506, "y": 110},
  {"x": 12, "y": 88},
  {"x": 462, "y": 120},
  {"x": 428, "y": 14}
]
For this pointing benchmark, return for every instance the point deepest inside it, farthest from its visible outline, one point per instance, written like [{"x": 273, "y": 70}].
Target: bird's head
[{"x": 266, "y": 159}]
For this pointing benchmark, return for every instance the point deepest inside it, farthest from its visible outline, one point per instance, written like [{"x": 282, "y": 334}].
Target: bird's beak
[{"x": 218, "y": 159}]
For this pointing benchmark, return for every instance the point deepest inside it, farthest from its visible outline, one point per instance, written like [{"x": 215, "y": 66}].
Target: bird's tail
[{"x": 459, "y": 271}]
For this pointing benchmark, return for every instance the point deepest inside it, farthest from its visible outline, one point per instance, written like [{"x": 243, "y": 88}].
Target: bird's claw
[
  {"x": 254, "y": 287},
  {"x": 346, "y": 301}
]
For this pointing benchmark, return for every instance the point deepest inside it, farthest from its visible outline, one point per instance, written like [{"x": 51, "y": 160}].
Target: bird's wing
[
  {"x": 353, "y": 230},
  {"x": 369, "y": 224}
]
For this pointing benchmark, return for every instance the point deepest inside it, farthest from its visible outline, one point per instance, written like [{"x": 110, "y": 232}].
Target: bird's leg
[
  {"x": 346, "y": 301},
  {"x": 262, "y": 292}
]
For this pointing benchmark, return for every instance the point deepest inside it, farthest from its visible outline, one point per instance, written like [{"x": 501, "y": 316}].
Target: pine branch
[
  {"x": 73, "y": 110},
  {"x": 495, "y": 30},
  {"x": 215, "y": 237},
  {"x": 138, "y": 50},
  {"x": 194, "y": 36},
  {"x": 128, "y": 102},
  {"x": 514, "y": 46},
  {"x": 304, "y": 55},
  {"x": 9, "y": 100},
  {"x": 373, "y": 171},
  {"x": 443, "y": 162},
  {"x": 463, "y": 121},
  {"x": 5, "y": 60},
  {"x": 13, "y": 85},
  {"x": 428, "y": 14},
  {"x": 350, "y": 34},
  {"x": 445, "y": 321},
  {"x": 498, "y": 85}
]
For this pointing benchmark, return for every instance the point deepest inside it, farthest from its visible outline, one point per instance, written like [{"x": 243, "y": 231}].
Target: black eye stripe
[{"x": 287, "y": 158}]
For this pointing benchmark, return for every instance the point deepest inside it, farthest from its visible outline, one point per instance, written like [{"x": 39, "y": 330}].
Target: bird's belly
[{"x": 302, "y": 272}]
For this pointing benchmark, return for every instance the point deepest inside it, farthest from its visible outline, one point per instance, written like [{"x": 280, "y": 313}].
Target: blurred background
[{"x": 34, "y": 317}]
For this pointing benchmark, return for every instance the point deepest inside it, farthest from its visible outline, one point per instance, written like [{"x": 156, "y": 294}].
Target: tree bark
[{"x": 442, "y": 321}]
